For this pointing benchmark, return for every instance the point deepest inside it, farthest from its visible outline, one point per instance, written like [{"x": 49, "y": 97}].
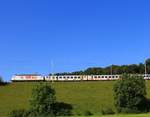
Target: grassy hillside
[
  {"x": 82, "y": 95},
  {"x": 127, "y": 115}
]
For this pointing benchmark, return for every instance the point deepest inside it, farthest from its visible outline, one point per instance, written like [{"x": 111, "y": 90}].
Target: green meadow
[
  {"x": 84, "y": 96},
  {"x": 127, "y": 115}
]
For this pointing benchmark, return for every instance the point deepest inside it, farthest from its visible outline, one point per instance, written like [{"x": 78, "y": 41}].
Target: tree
[
  {"x": 1, "y": 81},
  {"x": 43, "y": 97},
  {"x": 129, "y": 94},
  {"x": 141, "y": 68},
  {"x": 43, "y": 104},
  {"x": 148, "y": 65},
  {"x": 129, "y": 69}
]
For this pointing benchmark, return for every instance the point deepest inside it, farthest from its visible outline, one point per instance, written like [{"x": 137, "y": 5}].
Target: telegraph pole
[
  {"x": 111, "y": 70},
  {"x": 52, "y": 66},
  {"x": 145, "y": 69}
]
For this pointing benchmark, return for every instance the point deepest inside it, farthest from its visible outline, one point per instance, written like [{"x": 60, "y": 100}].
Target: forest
[{"x": 114, "y": 69}]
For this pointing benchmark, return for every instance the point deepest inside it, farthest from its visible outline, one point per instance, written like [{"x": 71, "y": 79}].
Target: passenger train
[{"x": 36, "y": 77}]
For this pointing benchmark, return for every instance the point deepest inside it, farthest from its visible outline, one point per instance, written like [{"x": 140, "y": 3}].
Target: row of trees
[{"x": 115, "y": 69}]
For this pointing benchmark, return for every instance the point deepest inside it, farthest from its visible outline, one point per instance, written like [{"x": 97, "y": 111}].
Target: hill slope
[{"x": 82, "y": 95}]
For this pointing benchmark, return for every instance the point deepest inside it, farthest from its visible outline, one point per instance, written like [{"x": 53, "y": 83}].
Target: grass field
[
  {"x": 83, "y": 96},
  {"x": 133, "y": 115}
]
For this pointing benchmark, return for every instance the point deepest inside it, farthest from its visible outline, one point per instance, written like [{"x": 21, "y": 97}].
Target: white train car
[
  {"x": 50, "y": 78},
  {"x": 147, "y": 77},
  {"x": 72, "y": 77},
  {"x": 86, "y": 77},
  {"x": 27, "y": 77},
  {"x": 63, "y": 78},
  {"x": 103, "y": 77}
]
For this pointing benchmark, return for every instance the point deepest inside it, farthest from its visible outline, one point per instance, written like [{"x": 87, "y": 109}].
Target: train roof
[{"x": 27, "y": 75}]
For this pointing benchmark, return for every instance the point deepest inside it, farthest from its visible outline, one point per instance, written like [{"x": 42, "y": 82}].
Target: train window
[
  {"x": 105, "y": 76},
  {"x": 113, "y": 77},
  {"x": 109, "y": 76},
  {"x": 95, "y": 77},
  {"x": 75, "y": 77},
  {"x": 71, "y": 77},
  {"x": 64, "y": 77},
  {"x": 116, "y": 76},
  {"x": 68, "y": 77},
  {"x": 102, "y": 76},
  {"x": 78, "y": 76},
  {"x": 99, "y": 76}
]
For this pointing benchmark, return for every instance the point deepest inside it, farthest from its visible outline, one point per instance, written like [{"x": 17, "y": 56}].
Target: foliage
[
  {"x": 43, "y": 102},
  {"x": 107, "y": 111},
  {"x": 129, "y": 94},
  {"x": 43, "y": 96},
  {"x": 88, "y": 113},
  {"x": 116, "y": 69},
  {"x": 1, "y": 81},
  {"x": 18, "y": 113},
  {"x": 62, "y": 109}
]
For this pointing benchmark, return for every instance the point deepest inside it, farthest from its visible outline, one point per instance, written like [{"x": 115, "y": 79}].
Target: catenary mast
[
  {"x": 145, "y": 69},
  {"x": 52, "y": 66}
]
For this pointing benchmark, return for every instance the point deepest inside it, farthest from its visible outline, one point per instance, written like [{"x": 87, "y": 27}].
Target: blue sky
[{"x": 74, "y": 34}]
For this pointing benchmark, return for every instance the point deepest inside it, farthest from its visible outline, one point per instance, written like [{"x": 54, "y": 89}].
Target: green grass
[
  {"x": 83, "y": 96},
  {"x": 127, "y": 115}
]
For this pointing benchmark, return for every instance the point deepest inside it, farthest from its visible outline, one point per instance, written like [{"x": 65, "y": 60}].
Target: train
[{"x": 37, "y": 77}]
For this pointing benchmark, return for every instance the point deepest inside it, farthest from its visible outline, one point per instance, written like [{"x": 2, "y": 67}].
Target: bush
[
  {"x": 129, "y": 94},
  {"x": 43, "y": 96},
  {"x": 129, "y": 111},
  {"x": 1, "y": 81},
  {"x": 43, "y": 103},
  {"x": 18, "y": 113},
  {"x": 62, "y": 109},
  {"x": 107, "y": 111},
  {"x": 88, "y": 113}
]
